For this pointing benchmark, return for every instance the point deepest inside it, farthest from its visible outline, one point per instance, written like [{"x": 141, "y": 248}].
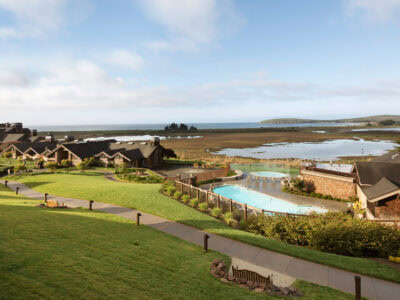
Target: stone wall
[
  {"x": 204, "y": 176},
  {"x": 387, "y": 209},
  {"x": 331, "y": 185}
]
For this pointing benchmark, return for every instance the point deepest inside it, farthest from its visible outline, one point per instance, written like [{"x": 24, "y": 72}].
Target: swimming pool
[
  {"x": 269, "y": 174},
  {"x": 264, "y": 201}
]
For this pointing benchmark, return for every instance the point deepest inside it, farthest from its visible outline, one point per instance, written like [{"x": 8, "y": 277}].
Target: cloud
[
  {"x": 13, "y": 79},
  {"x": 125, "y": 59},
  {"x": 376, "y": 10},
  {"x": 33, "y": 18},
  {"x": 81, "y": 86},
  {"x": 190, "y": 23}
]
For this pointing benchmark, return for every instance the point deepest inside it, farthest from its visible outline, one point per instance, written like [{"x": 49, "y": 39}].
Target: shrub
[
  {"x": 309, "y": 187},
  {"x": 228, "y": 218},
  {"x": 7, "y": 154},
  {"x": 336, "y": 233},
  {"x": 171, "y": 191},
  {"x": 19, "y": 168},
  {"x": 185, "y": 198},
  {"x": 216, "y": 212},
  {"x": 298, "y": 184},
  {"x": 51, "y": 165},
  {"x": 203, "y": 206},
  {"x": 177, "y": 195},
  {"x": 65, "y": 163},
  {"x": 194, "y": 202}
]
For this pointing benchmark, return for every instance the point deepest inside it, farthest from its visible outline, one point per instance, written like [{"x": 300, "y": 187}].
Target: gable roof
[
  {"x": 13, "y": 137},
  {"x": 87, "y": 149},
  {"x": 133, "y": 154},
  {"x": 40, "y": 148},
  {"x": 390, "y": 157},
  {"x": 369, "y": 173},
  {"x": 382, "y": 187}
]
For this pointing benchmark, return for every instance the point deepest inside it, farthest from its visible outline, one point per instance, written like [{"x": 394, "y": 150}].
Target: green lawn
[
  {"x": 78, "y": 254},
  {"x": 146, "y": 197}
]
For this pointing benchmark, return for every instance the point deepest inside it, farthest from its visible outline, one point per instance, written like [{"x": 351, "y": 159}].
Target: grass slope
[
  {"x": 78, "y": 254},
  {"x": 146, "y": 197}
]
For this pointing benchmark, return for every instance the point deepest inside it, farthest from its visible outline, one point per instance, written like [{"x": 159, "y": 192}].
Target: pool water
[
  {"x": 269, "y": 174},
  {"x": 264, "y": 201}
]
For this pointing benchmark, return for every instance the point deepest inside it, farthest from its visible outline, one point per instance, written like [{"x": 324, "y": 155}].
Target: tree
[
  {"x": 183, "y": 127},
  {"x": 387, "y": 122},
  {"x": 192, "y": 128}
]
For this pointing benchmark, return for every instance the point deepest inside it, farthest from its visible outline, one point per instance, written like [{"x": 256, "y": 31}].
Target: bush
[
  {"x": 185, "y": 198},
  {"x": 194, "y": 202},
  {"x": 336, "y": 233},
  {"x": 309, "y": 187},
  {"x": 203, "y": 206},
  {"x": 178, "y": 195},
  {"x": 228, "y": 218},
  {"x": 7, "y": 154},
  {"x": 298, "y": 184},
  {"x": 171, "y": 191},
  {"x": 19, "y": 168},
  {"x": 51, "y": 165},
  {"x": 65, "y": 163},
  {"x": 216, "y": 212}
]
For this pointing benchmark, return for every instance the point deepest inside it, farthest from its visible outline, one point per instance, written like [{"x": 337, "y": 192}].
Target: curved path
[{"x": 372, "y": 288}]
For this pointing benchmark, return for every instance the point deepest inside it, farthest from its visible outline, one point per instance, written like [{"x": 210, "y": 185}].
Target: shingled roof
[
  {"x": 13, "y": 137},
  {"x": 87, "y": 149},
  {"x": 369, "y": 173},
  {"x": 40, "y": 147},
  {"x": 382, "y": 187}
]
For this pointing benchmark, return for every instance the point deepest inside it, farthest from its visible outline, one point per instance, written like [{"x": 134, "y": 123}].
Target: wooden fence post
[
  {"x": 218, "y": 201},
  {"x": 138, "y": 215},
  {"x": 206, "y": 237},
  {"x": 262, "y": 211},
  {"x": 190, "y": 191},
  {"x": 358, "y": 287},
  {"x": 5, "y": 183},
  {"x": 395, "y": 224},
  {"x": 230, "y": 206},
  {"x": 45, "y": 197},
  {"x": 91, "y": 204},
  {"x": 245, "y": 213},
  {"x": 198, "y": 194},
  {"x": 207, "y": 197},
  {"x": 16, "y": 190}
]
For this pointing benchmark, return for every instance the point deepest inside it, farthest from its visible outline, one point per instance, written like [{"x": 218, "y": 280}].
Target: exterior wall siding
[{"x": 332, "y": 186}]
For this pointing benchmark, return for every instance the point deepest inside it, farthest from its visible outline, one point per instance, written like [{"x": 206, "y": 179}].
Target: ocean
[{"x": 161, "y": 126}]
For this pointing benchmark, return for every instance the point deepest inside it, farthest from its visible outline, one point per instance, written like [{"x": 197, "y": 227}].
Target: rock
[
  {"x": 224, "y": 280},
  {"x": 222, "y": 273},
  {"x": 259, "y": 290},
  {"x": 243, "y": 286},
  {"x": 286, "y": 291},
  {"x": 215, "y": 262},
  {"x": 221, "y": 266},
  {"x": 231, "y": 277}
]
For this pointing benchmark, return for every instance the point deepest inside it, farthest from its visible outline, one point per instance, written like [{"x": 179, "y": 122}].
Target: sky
[{"x": 160, "y": 61}]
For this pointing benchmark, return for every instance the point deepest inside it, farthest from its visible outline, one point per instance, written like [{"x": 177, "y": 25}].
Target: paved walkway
[{"x": 323, "y": 275}]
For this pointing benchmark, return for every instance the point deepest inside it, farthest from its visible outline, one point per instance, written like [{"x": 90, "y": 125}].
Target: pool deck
[{"x": 275, "y": 189}]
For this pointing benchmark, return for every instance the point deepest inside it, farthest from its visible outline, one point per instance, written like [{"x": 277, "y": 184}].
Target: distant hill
[{"x": 372, "y": 119}]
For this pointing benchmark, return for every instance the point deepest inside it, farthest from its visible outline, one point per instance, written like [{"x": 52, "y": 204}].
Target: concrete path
[{"x": 372, "y": 288}]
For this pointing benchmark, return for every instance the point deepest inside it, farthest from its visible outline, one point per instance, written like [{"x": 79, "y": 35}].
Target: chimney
[{"x": 34, "y": 132}]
